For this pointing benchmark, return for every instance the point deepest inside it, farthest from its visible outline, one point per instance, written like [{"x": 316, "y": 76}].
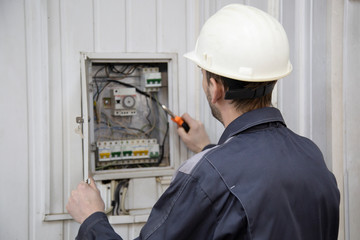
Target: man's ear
[{"x": 216, "y": 90}]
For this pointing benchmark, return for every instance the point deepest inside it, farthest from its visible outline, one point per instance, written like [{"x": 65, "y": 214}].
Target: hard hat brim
[{"x": 194, "y": 58}]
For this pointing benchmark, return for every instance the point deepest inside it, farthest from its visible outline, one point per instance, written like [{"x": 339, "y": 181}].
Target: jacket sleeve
[
  {"x": 184, "y": 211},
  {"x": 97, "y": 227}
]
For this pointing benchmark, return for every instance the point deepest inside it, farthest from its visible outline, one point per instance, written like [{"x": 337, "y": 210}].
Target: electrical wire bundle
[
  {"x": 115, "y": 75},
  {"x": 118, "y": 203}
]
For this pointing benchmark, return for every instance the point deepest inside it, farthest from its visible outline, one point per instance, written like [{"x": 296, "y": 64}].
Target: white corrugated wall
[{"x": 40, "y": 45}]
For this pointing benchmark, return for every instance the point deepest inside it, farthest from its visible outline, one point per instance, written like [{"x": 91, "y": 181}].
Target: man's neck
[{"x": 229, "y": 114}]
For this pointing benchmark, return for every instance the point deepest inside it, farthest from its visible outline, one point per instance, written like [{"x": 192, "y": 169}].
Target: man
[{"x": 261, "y": 181}]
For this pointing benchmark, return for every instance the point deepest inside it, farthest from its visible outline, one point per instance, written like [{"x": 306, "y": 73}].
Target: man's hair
[{"x": 243, "y": 105}]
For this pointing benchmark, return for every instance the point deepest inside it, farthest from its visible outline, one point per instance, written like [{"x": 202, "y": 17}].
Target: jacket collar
[{"x": 251, "y": 119}]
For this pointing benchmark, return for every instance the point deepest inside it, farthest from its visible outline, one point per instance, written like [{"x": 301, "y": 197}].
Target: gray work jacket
[{"x": 261, "y": 181}]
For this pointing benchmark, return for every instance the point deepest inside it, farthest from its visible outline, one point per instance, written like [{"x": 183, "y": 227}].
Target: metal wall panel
[
  {"x": 56, "y": 110},
  {"x": 352, "y": 117},
  {"x": 14, "y": 201},
  {"x": 43, "y": 47},
  {"x": 76, "y": 35},
  {"x": 318, "y": 69},
  {"x": 141, "y": 26},
  {"x": 110, "y": 25}
]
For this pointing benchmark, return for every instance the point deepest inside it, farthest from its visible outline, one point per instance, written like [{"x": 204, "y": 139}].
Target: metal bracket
[
  {"x": 78, "y": 130},
  {"x": 79, "y": 120}
]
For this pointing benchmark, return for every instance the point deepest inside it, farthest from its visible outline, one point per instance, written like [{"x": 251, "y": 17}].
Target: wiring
[
  {"x": 112, "y": 67},
  {"x": 153, "y": 99},
  {"x": 147, "y": 116},
  {"x": 119, "y": 197},
  {"x": 122, "y": 202},
  {"x": 163, "y": 144},
  {"x": 94, "y": 77},
  {"x": 114, "y": 122},
  {"x": 111, "y": 128},
  {"x": 110, "y": 80},
  {"x": 152, "y": 125},
  {"x": 128, "y": 128}
]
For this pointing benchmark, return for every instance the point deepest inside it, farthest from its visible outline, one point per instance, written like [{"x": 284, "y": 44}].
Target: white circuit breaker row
[{"x": 134, "y": 149}]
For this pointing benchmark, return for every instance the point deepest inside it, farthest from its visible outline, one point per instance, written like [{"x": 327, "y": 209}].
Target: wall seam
[
  {"x": 28, "y": 95},
  {"x": 127, "y": 25},
  {"x": 62, "y": 70},
  {"x": 345, "y": 171},
  {"x": 311, "y": 69}
]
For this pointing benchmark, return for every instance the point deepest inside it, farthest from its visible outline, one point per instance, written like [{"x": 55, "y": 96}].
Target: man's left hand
[{"x": 84, "y": 201}]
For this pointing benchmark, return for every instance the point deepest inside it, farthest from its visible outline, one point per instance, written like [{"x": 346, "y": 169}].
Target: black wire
[
  {"x": 98, "y": 93},
  {"x": 117, "y": 195},
  {"x": 112, "y": 67},
  {"x": 163, "y": 144},
  {"x": 132, "y": 128},
  {"x": 132, "y": 70},
  {"x": 97, "y": 86},
  {"x": 137, "y": 90},
  {"x": 116, "y": 198},
  {"x": 125, "y": 185},
  {"x": 115, "y": 70},
  {"x": 156, "y": 101},
  {"x": 133, "y": 67}
]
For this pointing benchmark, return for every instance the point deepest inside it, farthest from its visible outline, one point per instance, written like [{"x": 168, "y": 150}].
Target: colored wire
[
  {"x": 123, "y": 126},
  {"x": 147, "y": 116},
  {"x": 152, "y": 125},
  {"x": 97, "y": 86},
  {"x": 126, "y": 73},
  {"x": 155, "y": 100},
  {"x": 111, "y": 67}
]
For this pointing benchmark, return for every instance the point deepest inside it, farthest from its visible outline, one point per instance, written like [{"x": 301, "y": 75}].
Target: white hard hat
[{"x": 243, "y": 43}]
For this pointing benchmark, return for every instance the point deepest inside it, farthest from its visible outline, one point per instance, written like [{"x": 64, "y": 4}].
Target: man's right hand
[{"x": 196, "y": 139}]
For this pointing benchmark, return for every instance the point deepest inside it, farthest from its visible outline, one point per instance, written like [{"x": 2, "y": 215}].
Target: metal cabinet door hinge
[{"x": 79, "y": 120}]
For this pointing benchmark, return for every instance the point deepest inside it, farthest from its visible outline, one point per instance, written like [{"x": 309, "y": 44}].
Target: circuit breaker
[{"x": 126, "y": 133}]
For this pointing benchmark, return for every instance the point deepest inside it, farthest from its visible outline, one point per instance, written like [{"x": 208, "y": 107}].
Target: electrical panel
[
  {"x": 126, "y": 133},
  {"x": 129, "y": 146}
]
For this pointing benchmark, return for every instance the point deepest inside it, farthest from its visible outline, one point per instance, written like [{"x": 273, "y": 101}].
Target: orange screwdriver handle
[
  {"x": 178, "y": 120},
  {"x": 181, "y": 123}
]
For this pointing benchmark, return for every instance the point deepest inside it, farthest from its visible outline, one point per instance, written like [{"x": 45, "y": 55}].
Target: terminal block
[
  {"x": 128, "y": 151},
  {"x": 152, "y": 79}
]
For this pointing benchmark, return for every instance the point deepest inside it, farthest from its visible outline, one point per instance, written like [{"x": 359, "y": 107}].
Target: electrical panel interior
[{"x": 128, "y": 130}]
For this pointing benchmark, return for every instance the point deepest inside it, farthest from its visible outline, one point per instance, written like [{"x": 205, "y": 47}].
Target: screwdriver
[{"x": 178, "y": 120}]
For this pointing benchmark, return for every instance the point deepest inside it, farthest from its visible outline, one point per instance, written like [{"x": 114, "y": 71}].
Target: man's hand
[
  {"x": 196, "y": 139},
  {"x": 84, "y": 201}
]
